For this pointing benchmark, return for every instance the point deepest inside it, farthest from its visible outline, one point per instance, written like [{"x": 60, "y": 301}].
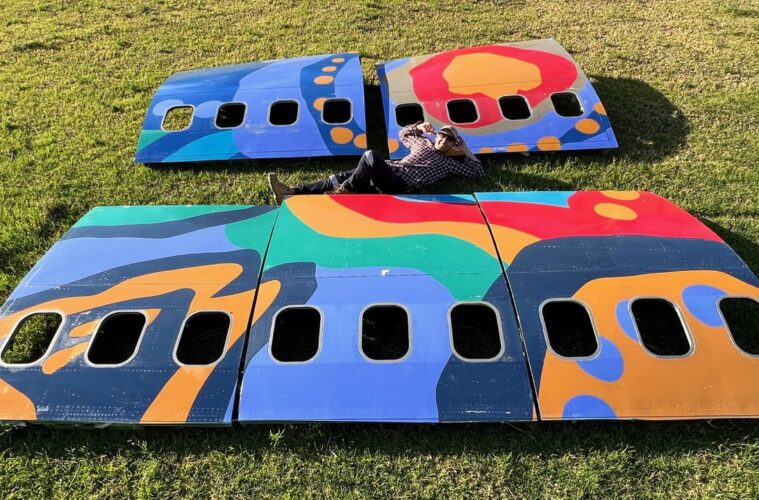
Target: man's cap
[{"x": 451, "y": 132}]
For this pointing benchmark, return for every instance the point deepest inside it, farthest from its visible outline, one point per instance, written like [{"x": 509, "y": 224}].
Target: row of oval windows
[
  {"x": 337, "y": 111},
  {"x": 295, "y": 335},
  {"x": 340, "y": 111},
  {"x": 385, "y": 332},
  {"x": 475, "y": 330},
  {"x": 513, "y": 107}
]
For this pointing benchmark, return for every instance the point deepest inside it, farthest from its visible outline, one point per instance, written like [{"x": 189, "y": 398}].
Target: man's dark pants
[{"x": 371, "y": 174}]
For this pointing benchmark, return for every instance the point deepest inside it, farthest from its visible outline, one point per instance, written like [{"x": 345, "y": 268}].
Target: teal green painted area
[
  {"x": 433, "y": 254},
  {"x": 149, "y": 214},
  {"x": 471, "y": 287},
  {"x": 222, "y": 143},
  {"x": 148, "y": 137},
  {"x": 252, "y": 233}
]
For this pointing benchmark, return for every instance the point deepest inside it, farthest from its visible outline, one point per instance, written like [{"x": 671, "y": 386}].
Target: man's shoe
[{"x": 280, "y": 189}]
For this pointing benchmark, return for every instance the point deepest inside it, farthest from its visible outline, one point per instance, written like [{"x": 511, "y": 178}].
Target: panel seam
[
  {"x": 246, "y": 337},
  {"x": 520, "y": 332}
]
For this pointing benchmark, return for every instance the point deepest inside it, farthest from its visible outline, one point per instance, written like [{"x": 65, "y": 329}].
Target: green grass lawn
[{"x": 680, "y": 81}]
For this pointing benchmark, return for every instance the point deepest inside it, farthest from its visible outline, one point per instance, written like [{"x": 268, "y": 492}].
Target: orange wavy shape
[
  {"x": 324, "y": 215},
  {"x": 14, "y": 404},
  {"x": 84, "y": 329},
  {"x": 511, "y": 241},
  {"x": 61, "y": 358},
  {"x": 715, "y": 380},
  {"x": 206, "y": 281},
  {"x": 174, "y": 402}
]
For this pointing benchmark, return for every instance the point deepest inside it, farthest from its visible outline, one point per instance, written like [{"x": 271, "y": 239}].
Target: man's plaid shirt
[{"x": 425, "y": 164}]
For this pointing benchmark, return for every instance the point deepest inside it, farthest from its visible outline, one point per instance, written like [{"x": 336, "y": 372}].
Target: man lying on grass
[{"x": 427, "y": 162}]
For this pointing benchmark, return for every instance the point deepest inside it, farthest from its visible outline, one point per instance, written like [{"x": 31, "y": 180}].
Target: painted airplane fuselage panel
[
  {"x": 164, "y": 262},
  {"x": 604, "y": 250},
  {"x": 341, "y": 254},
  {"x": 308, "y": 81},
  {"x": 533, "y": 70},
  {"x": 425, "y": 253}
]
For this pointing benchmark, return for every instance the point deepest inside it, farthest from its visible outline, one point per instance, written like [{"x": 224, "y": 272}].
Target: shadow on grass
[
  {"x": 311, "y": 440},
  {"x": 746, "y": 248},
  {"x": 647, "y": 125}
]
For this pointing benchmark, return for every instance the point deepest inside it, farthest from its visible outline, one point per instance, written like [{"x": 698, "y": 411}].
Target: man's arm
[
  {"x": 411, "y": 135},
  {"x": 471, "y": 166}
]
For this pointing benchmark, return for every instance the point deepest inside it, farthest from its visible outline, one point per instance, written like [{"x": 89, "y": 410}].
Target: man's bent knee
[{"x": 371, "y": 155}]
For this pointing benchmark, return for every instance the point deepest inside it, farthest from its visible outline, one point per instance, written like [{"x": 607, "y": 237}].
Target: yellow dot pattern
[
  {"x": 615, "y": 211},
  {"x": 360, "y": 141},
  {"x": 341, "y": 135},
  {"x": 549, "y": 143},
  {"x": 587, "y": 126},
  {"x": 621, "y": 195},
  {"x": 319, "y": 103},
  {"x": 323, "y": 80}
]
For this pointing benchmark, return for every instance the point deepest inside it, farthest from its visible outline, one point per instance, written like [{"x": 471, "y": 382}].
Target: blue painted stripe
[{"x": 553, "y": 198}]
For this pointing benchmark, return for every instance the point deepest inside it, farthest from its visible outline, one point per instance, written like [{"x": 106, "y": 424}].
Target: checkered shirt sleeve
[{"x": 425, "y": 165}]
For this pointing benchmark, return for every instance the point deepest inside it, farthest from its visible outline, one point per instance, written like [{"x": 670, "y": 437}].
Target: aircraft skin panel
[
  {"x": 534, "y": 70},
  {"x": 163, "y": 262},
  {"x": 513, "y": 252},
  {"x": 341, "y": 254},
  {"x": 604, "y": 250},
  {"x": 307, "y": 81}
]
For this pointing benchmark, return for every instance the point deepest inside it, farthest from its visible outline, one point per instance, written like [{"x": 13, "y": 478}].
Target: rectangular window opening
[
  {"x": 385, "y": 333},
  {"x": 474, "y": 332},
  {"x": 406, "y": 114},
  {"x": 177, "y": 118},
  {"x": 203, "y": 338},
  {"x": 569, "y": 329},
  {"x": 566, "y": 104},
  {"x": 296, "y": 335},
  {"x": 514, "y": 107},
  {"x": 741, "y": 316},
  {"x": 116, "y": 340},
  {"x": 660, "y": 328},
  {"x": 32, "y": 338},
  {"x": 283, "y": 113},
  {"x": 336, "y": 111},
  {"x": 230, "y": 115},
  {"x": 462, "y": 111}
]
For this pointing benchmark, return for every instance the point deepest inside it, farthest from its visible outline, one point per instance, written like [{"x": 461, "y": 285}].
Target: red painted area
[
  {"x": 655, "y": 217},
  {"x": 386, "y": 208},
  {"x": 557, "y": 74}
]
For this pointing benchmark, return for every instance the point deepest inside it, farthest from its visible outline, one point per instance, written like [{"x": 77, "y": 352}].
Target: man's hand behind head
[{"x": 426, "y": 128}]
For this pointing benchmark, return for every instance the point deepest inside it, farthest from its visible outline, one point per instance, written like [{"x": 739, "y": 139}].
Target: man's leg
[
  {"x": 357, "y": 180},
  {"x": 373, "y": 173},
  {"x": 324, "y": 185},
  {"x": 360, "y": 179},
  {"x": 280, "y": 189},
  {"x": 384, "y": 177}
]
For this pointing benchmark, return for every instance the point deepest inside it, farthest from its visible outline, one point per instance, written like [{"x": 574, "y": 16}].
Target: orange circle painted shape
[
  {"x": 621, "y": 195},
  {"x": 341, "y": 135},
  {"x": 614, "y": 211},
  {"x": 549, "y": 143}
]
